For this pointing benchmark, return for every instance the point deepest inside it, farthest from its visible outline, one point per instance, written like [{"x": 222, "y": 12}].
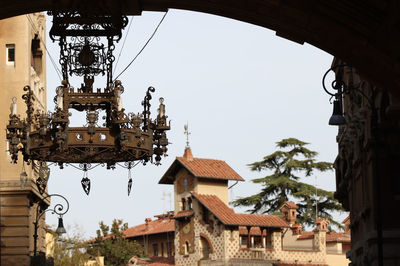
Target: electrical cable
[
  {"x": 144, "y": 46},
  {"x": 45, "y": 47},
  {"x": 123, "y": 44}
]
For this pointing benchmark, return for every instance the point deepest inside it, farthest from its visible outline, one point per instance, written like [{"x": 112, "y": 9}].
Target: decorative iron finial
[{"x": 187, "y": 133}]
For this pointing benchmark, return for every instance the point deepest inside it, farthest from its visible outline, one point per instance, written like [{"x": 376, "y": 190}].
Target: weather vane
[{"x": 187, "y": 133}]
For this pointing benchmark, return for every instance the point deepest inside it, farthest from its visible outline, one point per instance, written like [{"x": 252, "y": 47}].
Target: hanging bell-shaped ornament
[
  {"x": 60, "y": 228},
  {"x": 337, "y": 118}
]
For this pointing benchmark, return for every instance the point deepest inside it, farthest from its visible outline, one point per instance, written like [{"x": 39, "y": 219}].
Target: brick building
[{"x": 206, "y": 231}]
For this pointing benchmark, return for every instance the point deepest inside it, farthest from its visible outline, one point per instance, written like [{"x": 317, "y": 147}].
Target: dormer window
[{"x": 185, "y": 185}]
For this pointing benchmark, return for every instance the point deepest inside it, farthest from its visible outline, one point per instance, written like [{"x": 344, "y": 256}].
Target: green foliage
[
  {"x": 70, "y": 249},
  {"x": 111, "y": 243},
  {"x": 291, "y": 158}
]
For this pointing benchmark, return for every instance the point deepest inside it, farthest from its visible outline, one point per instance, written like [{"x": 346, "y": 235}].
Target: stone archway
[
  {"x": 205, "y": 247},
  {"x": 364, "y": 34}
]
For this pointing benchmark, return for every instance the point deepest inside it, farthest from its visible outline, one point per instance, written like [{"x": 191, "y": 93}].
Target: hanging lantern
[{"x": 23, "y": 178}]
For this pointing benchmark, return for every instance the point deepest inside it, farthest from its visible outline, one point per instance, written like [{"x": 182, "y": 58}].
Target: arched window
[{"x": 186, "y": 248}]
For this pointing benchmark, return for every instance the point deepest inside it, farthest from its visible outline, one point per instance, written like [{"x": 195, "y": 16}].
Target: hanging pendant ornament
[
  {"x": 129, "y": 186},
  {"x": 41, "y": 185},
  {"x": 129, "y": 179},
  {"x": 86, "y": 185},
  {"x": 85, "y": 181}
]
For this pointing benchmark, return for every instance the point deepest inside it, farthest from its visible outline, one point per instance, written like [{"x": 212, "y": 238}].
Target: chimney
[
  {"x": 188, "y": 154},
  {"x": 147, "y": 221}
]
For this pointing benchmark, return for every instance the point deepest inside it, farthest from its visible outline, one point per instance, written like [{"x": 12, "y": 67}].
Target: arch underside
[{"x": 365, "y": 34}]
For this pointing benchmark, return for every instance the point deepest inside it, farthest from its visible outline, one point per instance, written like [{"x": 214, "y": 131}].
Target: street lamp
[
  {"x": 337, "y": 119},
  {"x": 58, "y": 209},
  {"x": 339, "y": 87}
]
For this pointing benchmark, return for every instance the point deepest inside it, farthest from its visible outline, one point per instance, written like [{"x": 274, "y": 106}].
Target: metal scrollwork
[
  {"x": 59, "y": 209},
  {"x": 87, "y": 42}
]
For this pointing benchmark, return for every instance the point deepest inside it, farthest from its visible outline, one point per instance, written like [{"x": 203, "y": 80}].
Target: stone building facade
[
  {"x": 208, "y": 232},
  {"x": 22, "y": 62},
  {"x": 367, "y": 179}
]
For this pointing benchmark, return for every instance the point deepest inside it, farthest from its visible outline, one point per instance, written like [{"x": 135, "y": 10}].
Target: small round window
[
  {"x": 103, "y": 137},
  {"x": 79, "y": 137}
]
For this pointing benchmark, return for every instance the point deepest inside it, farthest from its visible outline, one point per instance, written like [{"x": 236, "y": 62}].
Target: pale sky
[{"x": 240, "y": 88}]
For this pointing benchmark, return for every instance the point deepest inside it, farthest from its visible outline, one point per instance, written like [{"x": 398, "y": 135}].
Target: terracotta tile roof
[
  {"x": 227, "y": 216},
  {"x": 306, "y": 235},
  {"x": 152, "y": 227},
  {"x": 253, "y": 231},
  {"x": 182, "y": 214},
  {"x": 322, "y": 220},
  {"x": 210, "y": 168},
  {"x": 337, "y": 237},
  {"x": 330, "y": 236},
  {"x": 290, "y": 204},
  {"x": 296, "y": 225},
  {"x": 201, "y": 168}
]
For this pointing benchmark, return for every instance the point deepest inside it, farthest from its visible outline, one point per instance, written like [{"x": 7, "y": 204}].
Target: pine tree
[{"x": 291, "y": 159}]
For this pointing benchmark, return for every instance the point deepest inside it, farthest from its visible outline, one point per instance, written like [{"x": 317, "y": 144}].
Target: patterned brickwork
[
  {"x": 186, "y": 236},
  {"x": 276, "y": 253},
  {"x": 226, "y": 247},
  {"x": 232, "y": 242},
  {"x": 216, "y": 236}
]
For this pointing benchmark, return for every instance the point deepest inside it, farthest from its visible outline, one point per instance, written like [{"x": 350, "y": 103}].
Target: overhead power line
[
  {"x": 123, "y": 45},
  {"x": 144, "y": 46}
]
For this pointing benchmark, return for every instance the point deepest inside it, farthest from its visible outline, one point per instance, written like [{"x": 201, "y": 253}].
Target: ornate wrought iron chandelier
[{"x": 124, "y": 137}]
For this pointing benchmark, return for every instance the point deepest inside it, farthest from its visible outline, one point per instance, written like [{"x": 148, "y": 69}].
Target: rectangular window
[
  {"x": 155, "y": 250},
  {"x": 10, "y": 54},
  {"x": 162, "y": 249}
]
